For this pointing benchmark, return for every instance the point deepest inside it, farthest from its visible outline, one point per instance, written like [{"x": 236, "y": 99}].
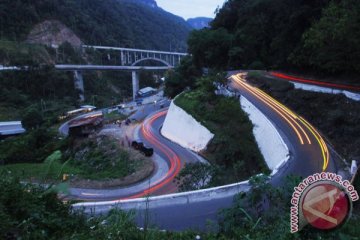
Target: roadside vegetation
[
  {"x": 100, "y": 159},
  {"x": 52, "y": 169},
  {"x": 30, "y": 212},
  {"x": 233, "y": 151},
  {"x": 103, "y": 157}
]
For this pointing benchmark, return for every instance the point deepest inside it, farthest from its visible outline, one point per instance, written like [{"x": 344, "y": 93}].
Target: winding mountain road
[
  {"x": 309, "y": 154},
  {"x": 309, "y": 151},
  {"x": 170, "y": 158}
]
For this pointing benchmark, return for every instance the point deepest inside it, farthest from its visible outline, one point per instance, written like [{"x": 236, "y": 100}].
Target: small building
[
  {"x": 13, "y": 128},
  {"x": 81, "y": 110},
  {"x": 85, "y": 126}
]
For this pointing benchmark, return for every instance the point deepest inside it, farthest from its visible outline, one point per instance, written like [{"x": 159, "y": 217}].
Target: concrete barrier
[
  {"x": 181, "y": 128},
  {"x": 272, "y": 146},
  {"x": 165, "y": 200}
]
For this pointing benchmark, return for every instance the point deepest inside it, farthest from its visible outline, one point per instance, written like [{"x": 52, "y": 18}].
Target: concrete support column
[
  {"x": 79, "y": 84},
  {"x": 122, "y": 58},
  {"x": 135, "y": 83}
]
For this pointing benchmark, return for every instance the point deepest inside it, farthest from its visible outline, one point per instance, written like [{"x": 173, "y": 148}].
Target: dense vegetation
[
  {"x": 233, "y": 150},
  {"x": 320, "y": 36},
  {"x": 41, "y": 88},
  {"x": 124, "y": 23},
  {"x": 40, "y": 155},
  {"x": 32, "y": 147},
  {"x": 184, "y": 76}
]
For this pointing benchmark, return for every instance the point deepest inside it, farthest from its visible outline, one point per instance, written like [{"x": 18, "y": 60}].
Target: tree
[
  {"x": 184, "y": 76},
  {"x": 32, "y": 119},
  {"x": 195, "y": 176},
  {"x": 332, "y": 44},
  {"x": 210, "y": 48}
]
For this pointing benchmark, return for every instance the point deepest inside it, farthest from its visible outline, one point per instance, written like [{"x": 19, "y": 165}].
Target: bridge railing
[{"x": 132, "y": 56}]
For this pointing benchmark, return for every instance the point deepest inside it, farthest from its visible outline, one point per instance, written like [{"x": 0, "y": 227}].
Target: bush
[
  {"x": 32, "y": 119},
  {"x": 102, "y": 158},
  {"x": 33, "y": 147},
  {"x": 36, "y": 213},
  {"x": 257, "y": 65}
]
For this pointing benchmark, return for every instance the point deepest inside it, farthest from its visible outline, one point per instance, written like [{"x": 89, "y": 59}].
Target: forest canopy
[{"x": 320, "y": 36}]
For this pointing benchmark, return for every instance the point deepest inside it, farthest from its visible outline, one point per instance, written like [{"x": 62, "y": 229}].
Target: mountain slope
[
  {"x": 199, "y": 22},
  {"x": 126, "y": 23}
]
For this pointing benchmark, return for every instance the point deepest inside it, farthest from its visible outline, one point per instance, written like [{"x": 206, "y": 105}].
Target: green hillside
[
  {"x": 125, "y": 23},
  {"x": 122, "y": 23}
]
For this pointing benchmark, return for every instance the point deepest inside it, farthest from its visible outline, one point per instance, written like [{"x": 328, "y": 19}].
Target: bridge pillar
[
  {"x": 135, "y": 83},
  {"x": 79, "y": 84},
  {"x": 122, "y": 57}
]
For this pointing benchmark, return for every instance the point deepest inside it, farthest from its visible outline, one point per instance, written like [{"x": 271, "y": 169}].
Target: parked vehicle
[
  {"x": 137, "y": 145},
  {"x": 147, "y": 151},
  {"x": 146, "y": 92},
  {"x": 139, "y": 101}
]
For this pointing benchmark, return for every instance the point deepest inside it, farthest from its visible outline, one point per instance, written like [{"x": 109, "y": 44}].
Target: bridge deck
[{"x": 69, "y": 67}]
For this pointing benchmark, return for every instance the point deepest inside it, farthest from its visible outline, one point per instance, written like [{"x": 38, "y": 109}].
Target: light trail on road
[
  {"x": 175, "y": 162},
  {"x": 308, "y": 81},
  {"x": 297, "y": 123}
]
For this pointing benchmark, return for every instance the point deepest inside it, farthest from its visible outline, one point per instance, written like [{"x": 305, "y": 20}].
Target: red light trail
[{"x": 308, "y": 81}]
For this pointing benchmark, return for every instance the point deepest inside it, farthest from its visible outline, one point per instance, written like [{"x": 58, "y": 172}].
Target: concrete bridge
[
  {"x": 129, "y": 59},
  {"x": 132, "y": 56}
]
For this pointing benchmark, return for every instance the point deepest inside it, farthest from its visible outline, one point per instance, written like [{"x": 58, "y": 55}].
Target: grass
[
  {"x": 113, "y": 116},
  {"x": 48, "y": 170},
  {"x": 233, "y": 149},
  {"x": 104, "y": 158},
  {"x": 101, "y": 158}
]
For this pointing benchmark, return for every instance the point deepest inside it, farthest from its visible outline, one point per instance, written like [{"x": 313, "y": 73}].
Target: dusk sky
[{"x": 191, "y": 8}]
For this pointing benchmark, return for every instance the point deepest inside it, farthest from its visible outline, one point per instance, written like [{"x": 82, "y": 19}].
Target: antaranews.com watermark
[{"x": 323, "y": 200}]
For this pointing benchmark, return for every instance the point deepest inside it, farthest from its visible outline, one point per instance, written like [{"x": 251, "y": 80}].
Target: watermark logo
[{"x": 322, "y": 200}]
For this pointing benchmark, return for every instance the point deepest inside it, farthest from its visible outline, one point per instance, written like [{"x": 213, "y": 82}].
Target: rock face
[
  {"x": 53, "y": 33},
  {"x": 199, "y": 23}
]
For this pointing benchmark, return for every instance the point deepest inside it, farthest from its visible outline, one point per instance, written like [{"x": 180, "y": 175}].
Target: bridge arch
[{"x": 153, "y": 59}]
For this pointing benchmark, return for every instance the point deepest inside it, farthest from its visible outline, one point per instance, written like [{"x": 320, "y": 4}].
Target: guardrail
[{"x": 165, "y": 200}]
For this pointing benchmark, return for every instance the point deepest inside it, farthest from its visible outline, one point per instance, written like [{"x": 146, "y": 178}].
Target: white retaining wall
[
  {"x": 272, "y": 146},
  {"x": 314, "y": 88},
  {"x": 182, "y": 128}
]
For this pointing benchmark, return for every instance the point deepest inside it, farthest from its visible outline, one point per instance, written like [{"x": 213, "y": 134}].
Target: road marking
[{"x": 90, "y": 194}]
